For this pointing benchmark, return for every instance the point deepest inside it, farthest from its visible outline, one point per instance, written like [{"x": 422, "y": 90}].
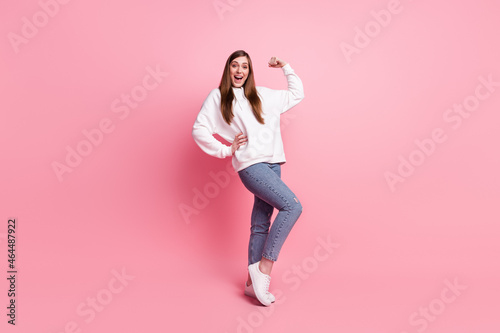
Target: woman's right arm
[{"x": 205, "y": 126}]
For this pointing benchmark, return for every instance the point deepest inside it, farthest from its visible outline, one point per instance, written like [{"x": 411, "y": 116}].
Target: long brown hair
[{"x": 226, "y": 91}]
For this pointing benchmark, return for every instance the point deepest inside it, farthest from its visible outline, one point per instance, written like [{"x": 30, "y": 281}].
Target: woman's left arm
[{"x": 295, "y": 93}]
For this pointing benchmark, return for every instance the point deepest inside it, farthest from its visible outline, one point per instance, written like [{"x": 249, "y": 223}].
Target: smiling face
[{"x": 239, "y": 69}]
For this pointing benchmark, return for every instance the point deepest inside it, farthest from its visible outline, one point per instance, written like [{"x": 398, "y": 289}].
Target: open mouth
[{"x": 238, "y": 78}]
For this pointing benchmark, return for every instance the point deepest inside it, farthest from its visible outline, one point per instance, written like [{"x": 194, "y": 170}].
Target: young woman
[{"x": 249, "y": 117}]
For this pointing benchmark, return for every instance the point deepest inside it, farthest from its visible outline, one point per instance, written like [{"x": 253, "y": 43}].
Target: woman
[{"x": 249, "y": 117}]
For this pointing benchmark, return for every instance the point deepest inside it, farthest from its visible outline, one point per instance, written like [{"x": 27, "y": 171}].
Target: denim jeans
[{"x": 264, "y": 181}]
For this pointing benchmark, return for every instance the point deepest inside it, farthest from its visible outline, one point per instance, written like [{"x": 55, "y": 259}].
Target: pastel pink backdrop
[{"x": 120, "y": 208}]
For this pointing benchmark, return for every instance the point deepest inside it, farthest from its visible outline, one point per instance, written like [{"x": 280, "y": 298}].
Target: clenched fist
[{"x": 276, "y": 63}]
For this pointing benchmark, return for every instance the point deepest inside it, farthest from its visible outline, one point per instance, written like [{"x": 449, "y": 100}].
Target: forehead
[{"x": 241, "y": 60}]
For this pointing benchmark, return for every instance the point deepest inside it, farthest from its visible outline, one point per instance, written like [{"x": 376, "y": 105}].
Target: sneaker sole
[{"x": 252, "y": 294}]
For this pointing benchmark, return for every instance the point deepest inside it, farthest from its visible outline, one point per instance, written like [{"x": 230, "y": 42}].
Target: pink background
[{"x": 119, "y": 209}]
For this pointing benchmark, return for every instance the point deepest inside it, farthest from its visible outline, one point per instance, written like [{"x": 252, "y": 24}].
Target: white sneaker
[
  {"x": 260, "y": 283},
  {"x": 249, "y": 292}
]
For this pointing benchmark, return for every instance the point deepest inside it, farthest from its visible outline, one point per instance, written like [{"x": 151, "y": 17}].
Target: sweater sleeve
[
  {"x": 295, "y": 93},
  {"x": 204, "y": 127}
]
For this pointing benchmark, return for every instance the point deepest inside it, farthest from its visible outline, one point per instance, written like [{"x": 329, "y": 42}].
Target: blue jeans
[{"x": 264, "y": 181}]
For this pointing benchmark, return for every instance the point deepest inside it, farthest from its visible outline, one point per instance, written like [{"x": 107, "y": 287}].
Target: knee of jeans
[
  {"x": 299, "y": 209},
  {"x": 297, "y": 205}
]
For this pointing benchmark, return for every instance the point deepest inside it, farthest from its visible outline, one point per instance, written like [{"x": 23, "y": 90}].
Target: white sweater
[{"x": 264, "y": 140}]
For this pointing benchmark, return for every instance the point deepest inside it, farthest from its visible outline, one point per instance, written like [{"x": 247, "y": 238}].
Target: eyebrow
[{"x": 243, "y": 63}]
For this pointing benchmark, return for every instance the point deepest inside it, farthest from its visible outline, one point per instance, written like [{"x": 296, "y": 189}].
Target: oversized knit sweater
[{"x": 264, "y": 140}]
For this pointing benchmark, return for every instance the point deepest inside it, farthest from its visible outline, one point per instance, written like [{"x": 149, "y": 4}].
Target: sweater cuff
[
  {"x": 227, "y": 151},
  {"x": 287, "y": 69}
]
